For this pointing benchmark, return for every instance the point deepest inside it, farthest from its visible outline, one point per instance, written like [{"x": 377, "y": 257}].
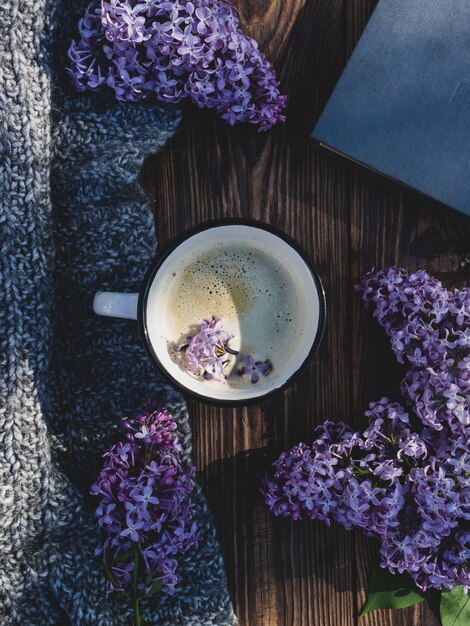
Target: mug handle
[{"x": 113, "y": 304}]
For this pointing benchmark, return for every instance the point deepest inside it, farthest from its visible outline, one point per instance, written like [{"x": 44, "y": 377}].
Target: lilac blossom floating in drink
[
  {"x": 208, "y": 353},
  {"x": 255, "y": 368}
]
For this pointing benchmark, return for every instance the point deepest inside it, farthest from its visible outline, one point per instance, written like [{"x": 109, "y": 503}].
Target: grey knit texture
[{"x": 72, "y": 221}]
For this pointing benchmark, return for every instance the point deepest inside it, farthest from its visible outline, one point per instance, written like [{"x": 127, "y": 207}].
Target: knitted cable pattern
[{"x": 72, "y": 221}]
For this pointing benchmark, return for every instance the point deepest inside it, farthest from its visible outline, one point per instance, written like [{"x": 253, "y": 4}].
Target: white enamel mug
[{"x": 152, "y": 308}]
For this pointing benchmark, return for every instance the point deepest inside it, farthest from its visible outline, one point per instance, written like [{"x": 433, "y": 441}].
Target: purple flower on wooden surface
[
  {"x": 176, "y": 50},
  {"x": 405, "y": 478},
  {"x": 429, "y": 328},
  {"x": 145, "y": 509}
]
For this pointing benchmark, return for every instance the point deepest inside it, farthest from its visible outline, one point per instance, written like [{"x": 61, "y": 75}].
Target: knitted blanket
[{"x": 73, "y": 221}]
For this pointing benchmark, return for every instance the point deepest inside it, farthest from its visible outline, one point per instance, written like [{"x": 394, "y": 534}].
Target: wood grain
[{"x": 282, "y": 573}]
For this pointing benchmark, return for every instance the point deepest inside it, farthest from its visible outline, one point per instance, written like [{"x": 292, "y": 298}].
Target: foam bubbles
[{"x": 245, "y": 287}]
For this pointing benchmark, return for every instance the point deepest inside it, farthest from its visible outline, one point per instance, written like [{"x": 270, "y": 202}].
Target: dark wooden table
[{"x": 282, "y": 573}]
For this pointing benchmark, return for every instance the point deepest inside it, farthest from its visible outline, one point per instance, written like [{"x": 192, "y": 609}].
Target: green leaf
[
  {"x": 124, "y": 556},
  {"x": 155, "y": 588},
  {"x": 455, "y": 607},
  {"x": 391, "y": 591},
  {"x": 110, "y": 575}
]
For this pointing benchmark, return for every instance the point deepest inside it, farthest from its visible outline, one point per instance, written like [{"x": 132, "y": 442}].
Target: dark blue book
[{"x": 402, "y": 106}]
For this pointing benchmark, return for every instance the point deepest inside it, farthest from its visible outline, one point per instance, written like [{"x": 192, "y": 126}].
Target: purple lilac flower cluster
[
  {"x": 145, "y": 510},
  {"x": 406, "y": 479},
  {"x": 208, "y": 353},
  {"x": 429, "y": 329},
  {"x": 175, "y": 50}
]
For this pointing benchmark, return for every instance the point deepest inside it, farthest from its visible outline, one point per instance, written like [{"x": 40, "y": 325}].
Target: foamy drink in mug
[{"x": 260, "y": 287}]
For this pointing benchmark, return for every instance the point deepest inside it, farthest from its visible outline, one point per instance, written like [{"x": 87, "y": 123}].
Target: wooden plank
[{"x": 282, "y": 573}]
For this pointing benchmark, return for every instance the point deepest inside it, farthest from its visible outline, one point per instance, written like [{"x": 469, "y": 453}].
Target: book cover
[{"x": 402, "y": 106}]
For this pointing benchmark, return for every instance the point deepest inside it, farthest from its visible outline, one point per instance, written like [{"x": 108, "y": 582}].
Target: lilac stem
[{"x": 135, "y": 592}]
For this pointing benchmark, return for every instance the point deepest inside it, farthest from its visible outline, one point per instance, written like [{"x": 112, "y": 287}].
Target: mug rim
[{"x": 170, "y": 247}]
